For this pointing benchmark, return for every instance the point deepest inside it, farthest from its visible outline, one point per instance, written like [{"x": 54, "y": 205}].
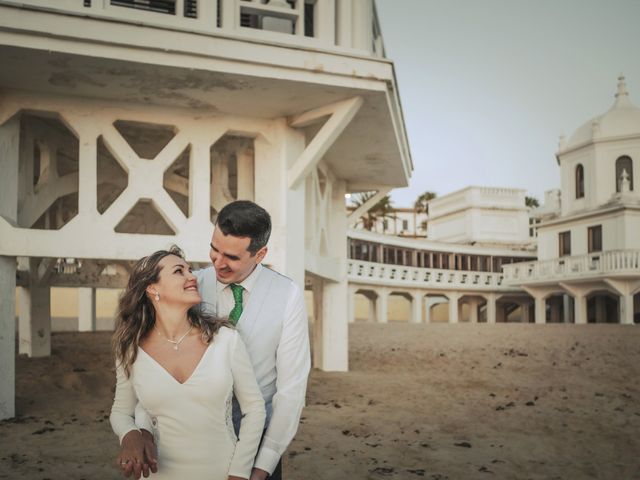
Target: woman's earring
[{"x": 157, "y": 297}]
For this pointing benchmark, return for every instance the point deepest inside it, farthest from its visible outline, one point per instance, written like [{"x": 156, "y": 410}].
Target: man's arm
[{"x": 293, "y": 362}]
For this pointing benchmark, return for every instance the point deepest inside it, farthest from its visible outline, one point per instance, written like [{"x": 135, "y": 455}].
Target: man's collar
[{"x": 248, "y": 283}]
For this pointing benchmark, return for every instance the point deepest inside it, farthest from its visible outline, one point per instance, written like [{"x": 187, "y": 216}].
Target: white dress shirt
[{"x": 292, "y": 364}]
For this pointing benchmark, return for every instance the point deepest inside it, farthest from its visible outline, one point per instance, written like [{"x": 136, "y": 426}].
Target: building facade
[
  {"x": 588, "y": 267},
  {"x": 125, "y": 126}
]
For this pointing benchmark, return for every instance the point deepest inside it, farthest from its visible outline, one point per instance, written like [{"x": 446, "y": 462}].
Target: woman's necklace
[{"x": 175, "y": 343}]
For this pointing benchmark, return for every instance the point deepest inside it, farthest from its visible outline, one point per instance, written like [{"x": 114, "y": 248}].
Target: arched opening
[
  {"x": 624, "y": 164},
  {"x": 602, "y": 307},
  {"x": 579, "y": 181},
  {"x": 364, "y": 305}
]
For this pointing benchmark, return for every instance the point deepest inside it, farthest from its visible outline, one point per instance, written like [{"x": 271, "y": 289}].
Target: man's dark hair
[{"x": 243, "y": 218}]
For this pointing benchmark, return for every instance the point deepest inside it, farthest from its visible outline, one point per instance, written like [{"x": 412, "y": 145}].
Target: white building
[
  {"x": 480, "y": 216},
  {"x": 588, "y": 267},
  {"x": 126, "y": 125}
]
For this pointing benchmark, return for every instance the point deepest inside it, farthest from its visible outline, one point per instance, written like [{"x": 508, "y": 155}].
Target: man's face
[{"x": 231, "y": 259}]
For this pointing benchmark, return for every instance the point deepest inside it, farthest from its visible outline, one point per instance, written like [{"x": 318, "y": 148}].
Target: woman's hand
[{"x": 131, "y": 457}]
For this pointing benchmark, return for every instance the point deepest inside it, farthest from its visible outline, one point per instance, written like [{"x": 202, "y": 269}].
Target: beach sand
[{"x": 435, "y": 401}]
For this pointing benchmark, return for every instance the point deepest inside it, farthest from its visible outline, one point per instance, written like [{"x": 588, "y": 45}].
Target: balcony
[
  {"x": 615, "y": 263},
  {"x": 347, "y": 27},
  {"x": 428, "y": 278}
]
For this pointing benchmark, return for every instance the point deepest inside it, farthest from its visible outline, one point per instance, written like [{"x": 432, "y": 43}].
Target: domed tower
[{"x": 600, "y": 160}]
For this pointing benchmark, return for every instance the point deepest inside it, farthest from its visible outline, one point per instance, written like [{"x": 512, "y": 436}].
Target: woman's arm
[
  {"x": 251, "y": 402},
  {"x": 131, "y": 458}
]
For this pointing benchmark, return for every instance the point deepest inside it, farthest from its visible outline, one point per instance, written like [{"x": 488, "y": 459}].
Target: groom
[{"x": 269, "y": 312}]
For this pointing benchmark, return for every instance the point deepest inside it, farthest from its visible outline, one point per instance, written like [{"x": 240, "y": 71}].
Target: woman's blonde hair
[{"x": 136, "y": 315}]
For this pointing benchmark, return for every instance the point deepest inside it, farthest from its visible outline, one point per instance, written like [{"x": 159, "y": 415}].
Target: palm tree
[
  {"x": 421, "y": 205},
  {"x": 531, "y": 202},
  {"x": 381, "y": 210}
]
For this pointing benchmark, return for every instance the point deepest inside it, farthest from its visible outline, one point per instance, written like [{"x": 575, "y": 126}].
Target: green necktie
[{"x": 235, "y": 313}]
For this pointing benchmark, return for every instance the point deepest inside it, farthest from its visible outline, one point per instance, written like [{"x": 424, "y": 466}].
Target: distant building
[{"x": 588, "y": 267}]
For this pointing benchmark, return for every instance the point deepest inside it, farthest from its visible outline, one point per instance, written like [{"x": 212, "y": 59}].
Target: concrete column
[
  {"x": 9, "y": 161},
  {"x": 567, "y": 308},
  {"x": 382, "y": 305},
  {"x": 35, "y": 317},
  {"x": 491, "y": 308},
  {"x": 245, "y": 174},
  {"x": 416, "y": 307},
  {"x": 453, "y": 307},
  {"x": 334, "y": 327},
  {"x": 86, "y": 309},
  {"x": 351, "y": 300},
  {"x": 540, "y": 309},
  {"x": 427, "y": 311},
  {"x": 626, "y": 309},
  {"x": 580, "y": 309},
  {"x": 473, "y": 310},
  {"x": 362, "y": 20}
]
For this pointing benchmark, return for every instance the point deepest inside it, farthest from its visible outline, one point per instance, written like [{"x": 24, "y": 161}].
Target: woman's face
[{"x": 176, "y": 284}]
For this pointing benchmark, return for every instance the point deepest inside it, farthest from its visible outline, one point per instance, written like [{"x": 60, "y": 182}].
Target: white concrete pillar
[
  {"x": 334, "y": 333},
  {"x": 86, "y": 309},
  {"x": 427, "y": 311},
  {"x": 491, "y": 307},
  {"x": 351, "y": 300},
  {"x": 580, "y": 308},
  {"x": 9, "y": 161},
  {"x": 382, "y": 305},
  {"x": 540, "y": 309},
  {"x": 453, "y": 307},
  {"x": 362, "y": 23},
  {"x": 626, "y": 309},
  {"x": 245, "y": 174},
  {"x": 473, "y": 310},
  {"x": 567, "y": 308},
  {"x": 35, "y": 318},
  {"x": 416, "y": 307}
]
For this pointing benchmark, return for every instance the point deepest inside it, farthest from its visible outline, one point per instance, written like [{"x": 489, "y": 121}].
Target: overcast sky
[{"x": 487, "y": 86}]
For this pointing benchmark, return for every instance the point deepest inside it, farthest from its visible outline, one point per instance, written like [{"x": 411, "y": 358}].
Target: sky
[{"x": 488, "y": 86}]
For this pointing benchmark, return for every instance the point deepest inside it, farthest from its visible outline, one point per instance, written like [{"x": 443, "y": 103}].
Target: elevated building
[
  {"x": 126, "y": 125},
  {"x": 588, "y": 267}
]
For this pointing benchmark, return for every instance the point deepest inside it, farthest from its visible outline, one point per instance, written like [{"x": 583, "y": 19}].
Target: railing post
[{"x": 230, "y": 14}]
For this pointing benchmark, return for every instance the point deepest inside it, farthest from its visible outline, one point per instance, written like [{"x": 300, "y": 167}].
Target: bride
[{"x": 183, "y": 366}]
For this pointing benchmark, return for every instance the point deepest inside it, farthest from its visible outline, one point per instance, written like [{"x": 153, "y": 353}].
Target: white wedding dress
[{"x": 192, "y": 420}]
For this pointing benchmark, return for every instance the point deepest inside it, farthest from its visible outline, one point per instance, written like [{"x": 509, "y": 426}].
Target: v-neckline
[{"x": 169, "y": 373}]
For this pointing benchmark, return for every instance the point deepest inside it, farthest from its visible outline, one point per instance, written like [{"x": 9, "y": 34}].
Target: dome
[{"x": 621, "y": 120}]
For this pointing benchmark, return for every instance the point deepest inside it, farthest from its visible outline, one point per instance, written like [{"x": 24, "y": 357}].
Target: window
[
  {"x": 564, "y": 243},
  {"x": 405, "y": 224},
  {"x": 595, "y": 238},
  {"x": 579, "y": 181},
  {"x": 625, "y": 164}
]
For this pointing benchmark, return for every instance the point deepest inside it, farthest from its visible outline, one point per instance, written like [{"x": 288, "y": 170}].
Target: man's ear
[{"x": 260, "y": 254}]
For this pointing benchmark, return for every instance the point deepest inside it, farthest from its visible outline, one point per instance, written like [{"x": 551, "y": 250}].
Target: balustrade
[
  {"x": 348, "y": 26},
  {"x": 600, "y": 263},
  {"x": 397, "y": 275}
]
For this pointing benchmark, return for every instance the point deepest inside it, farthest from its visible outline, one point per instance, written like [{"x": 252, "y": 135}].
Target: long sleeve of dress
[
  {"x": 124, "y": 403},
  {"x": 251, "y": 402}
]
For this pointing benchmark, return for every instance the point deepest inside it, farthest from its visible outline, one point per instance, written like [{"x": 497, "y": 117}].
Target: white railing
[
  {"x": 615, "y": 262},
  {"x": 323, "y": 24},
  {"x": 414, "y": 277}
]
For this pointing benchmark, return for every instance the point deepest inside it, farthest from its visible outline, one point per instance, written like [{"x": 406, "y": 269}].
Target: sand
[{"x": 421, "y": 401}]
